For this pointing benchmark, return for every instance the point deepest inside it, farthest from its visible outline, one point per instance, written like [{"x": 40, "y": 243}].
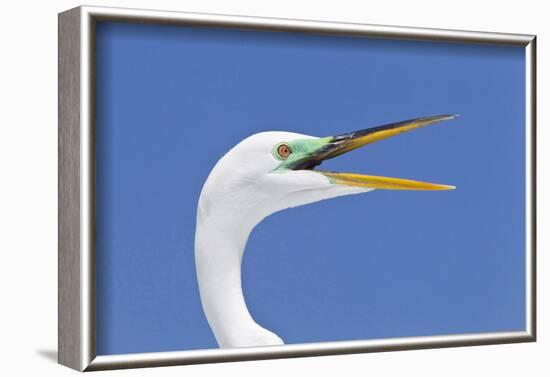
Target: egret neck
[
  {"x": 220, "y": 246},
  {"x": 265, "y": 173}
]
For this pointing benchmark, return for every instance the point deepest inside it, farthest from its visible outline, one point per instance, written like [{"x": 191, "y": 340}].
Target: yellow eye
[{"x": 284, "y": 150}]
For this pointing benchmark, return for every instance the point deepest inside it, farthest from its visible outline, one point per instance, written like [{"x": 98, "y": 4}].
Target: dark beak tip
[
  {"x": 439, "y": 118},
  {"x": 451, "y": 116}
]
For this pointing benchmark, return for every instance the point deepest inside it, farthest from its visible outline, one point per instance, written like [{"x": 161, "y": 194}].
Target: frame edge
[
  {"x": 161, "y": 359},
  {"x": 531, "y": 179},
  {"x": 117, "y": 14},
  {"x": 69, "y": 214}
]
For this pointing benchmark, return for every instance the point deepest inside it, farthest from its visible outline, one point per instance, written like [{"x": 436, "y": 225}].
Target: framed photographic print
[{"x": 238, "y": 188}]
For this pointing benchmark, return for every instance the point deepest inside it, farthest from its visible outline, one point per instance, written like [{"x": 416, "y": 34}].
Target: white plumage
[
  {"x": 263, "y": 174},
  {"x": 241, "y": 191}
]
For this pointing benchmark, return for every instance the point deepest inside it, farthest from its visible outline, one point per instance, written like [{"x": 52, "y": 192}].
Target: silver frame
[{"x": 76, "y": 347}]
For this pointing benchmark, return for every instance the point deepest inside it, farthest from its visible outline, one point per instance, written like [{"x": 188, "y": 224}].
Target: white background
[{"x": 28, "y": 185}]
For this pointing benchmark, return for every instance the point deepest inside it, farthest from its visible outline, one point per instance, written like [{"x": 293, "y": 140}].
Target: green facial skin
[{"x": 301, "y": 150}]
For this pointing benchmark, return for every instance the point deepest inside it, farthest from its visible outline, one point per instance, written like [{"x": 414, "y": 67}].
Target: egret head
[
  {"x": 265, "y": 173},
  {"x": 271, "y": 171}
]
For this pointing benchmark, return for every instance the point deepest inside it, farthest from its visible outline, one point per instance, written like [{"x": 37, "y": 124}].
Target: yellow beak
[
  {"x": 341, "y": 144},
  {"x": 386, "y": 183}
]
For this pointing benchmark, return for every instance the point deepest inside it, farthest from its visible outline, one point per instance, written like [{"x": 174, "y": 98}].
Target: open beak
[{"x": 341, "y": 144}]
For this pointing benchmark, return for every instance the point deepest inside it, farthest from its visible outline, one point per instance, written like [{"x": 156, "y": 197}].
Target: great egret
[{"x": 265, "y": 173}]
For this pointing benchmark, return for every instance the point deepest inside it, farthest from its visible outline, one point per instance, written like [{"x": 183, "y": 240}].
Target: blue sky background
[{"x": 172, "y": 100}]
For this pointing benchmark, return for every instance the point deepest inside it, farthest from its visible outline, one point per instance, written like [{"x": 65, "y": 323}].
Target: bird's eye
[{"x": 284, "y": 150}]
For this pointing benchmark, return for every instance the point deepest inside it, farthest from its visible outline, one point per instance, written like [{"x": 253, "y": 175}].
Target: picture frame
[{"x": 77, "y": 190}]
